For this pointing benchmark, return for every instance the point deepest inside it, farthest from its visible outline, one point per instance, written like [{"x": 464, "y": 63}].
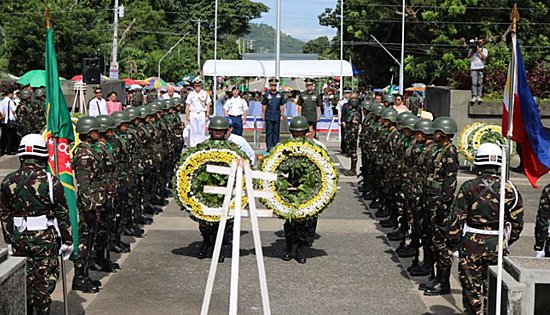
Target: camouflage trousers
[
  {"x": 209, "y": 232},
  {"x": 42, "y": 250},
  {"x": 300, "y": 232},
  {"x": 440, "y": 243},
  {"x": 87, "y": 231},
  {"x": 472, "y": 271},
  {"x": 351, "y": 145}
]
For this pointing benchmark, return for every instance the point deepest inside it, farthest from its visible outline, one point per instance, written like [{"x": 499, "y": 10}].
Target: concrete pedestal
[
  {"x": 525, "y": 286},
  {"x": 13, "y": 293}
]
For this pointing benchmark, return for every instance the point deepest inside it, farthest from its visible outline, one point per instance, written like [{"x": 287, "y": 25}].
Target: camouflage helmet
[
  {"x": 377, "y": 109},
  {"x": 177, "y": 101},
  {"x": 218, "y": 123},
  {"x": 144, "y": 111},
  {"x": 105, "y": 122},
  {"x": 390, "y": 114},
  {"x": 366, "y": 105},
  {"x": 298, "y": 123},
  {"x": 156, "y": 107},
  {"x": 39, "y": 92},
  {"x": 369, "y": 98},
  {"x": 408, "y": 122},
  {"x": 85, "y": 124},
  {"x": 389, "y": 98},
  {"x": 25, "y": 94},
  {"x": 171, "y": 103},
  {"x": 151, "y": 109},
  {"x": 354, "y": 102},
  {"x": 120, "y": 117},
  {"x": 424, "y": 126},
  {"x": 133, "y": 112},
  {"x": 401, "y": 116},
  {"x": 447, "y": 125}
]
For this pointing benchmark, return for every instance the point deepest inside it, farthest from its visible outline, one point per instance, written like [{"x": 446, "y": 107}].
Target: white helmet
[
  {"x": 33, "y": 145},
  {"x": 488, "y": 154}
]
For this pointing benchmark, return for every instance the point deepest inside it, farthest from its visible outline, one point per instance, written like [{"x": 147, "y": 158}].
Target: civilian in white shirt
[
  {"x": 8, "y": 139},
  {"x": 241, "y": 142},
  {"x": 97, "y": 105},
  {"x": 171, "y": 93},
  {"x": 197, "y": 107},
  {"x": 399, "y": 106},
  {"x": 236, "y": 109}
]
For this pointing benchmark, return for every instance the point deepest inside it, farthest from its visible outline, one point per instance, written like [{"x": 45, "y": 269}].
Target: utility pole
[
  {"x": 341, "y": 49},
  {"x": 278, "y": 45},
  {"x": 401, "y": 68},
  {"x": 113, "y": 70},
  {"x": 199, "y": 21}
]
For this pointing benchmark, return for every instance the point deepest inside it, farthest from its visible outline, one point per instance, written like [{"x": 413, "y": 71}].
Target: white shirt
[
  {"x": 7, "y": 106},
  {"x": 165, "y": 96},
  {"x": 400, "y": 109},
  {"x": 97, "y": 107},
  {"x": 341, "y": 103},
  {"x": 235, "y": 106},
  {"x": 244, "y": 146},
  {"x": 477, "y": 62},
  {"x": 197, "y": 101}
]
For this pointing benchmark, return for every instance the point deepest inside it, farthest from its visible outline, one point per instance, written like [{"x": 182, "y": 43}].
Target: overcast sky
[{"x": 299, "y": 17}]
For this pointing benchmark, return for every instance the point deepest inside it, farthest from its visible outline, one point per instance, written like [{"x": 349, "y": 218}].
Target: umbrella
[
  {"x": 34, "y": 78},
  {"x": 135, "y": 87},
  {"x": 156, "y": 83},
  {"x": 77, "y": 77}
]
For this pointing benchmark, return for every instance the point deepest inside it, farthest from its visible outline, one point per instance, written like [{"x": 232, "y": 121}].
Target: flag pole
[
  {"x": 56, "y": 171},
  {"x": 506, "y": 153}
]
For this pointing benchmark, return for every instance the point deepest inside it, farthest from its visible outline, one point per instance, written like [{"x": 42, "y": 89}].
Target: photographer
[{"x": 478, "y": 57}]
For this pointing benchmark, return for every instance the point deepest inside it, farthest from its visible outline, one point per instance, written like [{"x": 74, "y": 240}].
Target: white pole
[
  {"x": 401, "y": 68},
  {"x": 501, "y": 228},
  {"x": 114, "y": 52},
  {"x": 168, "y": 52},
  {"x": 215, "y": 91},
  {"x": 236, "y": 246},
  {"x": 278, "y": 43},
  {"x": 341, "y": 49}
]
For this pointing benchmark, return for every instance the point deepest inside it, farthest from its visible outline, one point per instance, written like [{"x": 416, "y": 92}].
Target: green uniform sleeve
[
  {"x": 515, "y": 212},
  {"x": 5, "y": 217},
  {"x": 458, "y": 215},
  {"x": 450, "y": 171},
  {"x": 61, "y": 211}
]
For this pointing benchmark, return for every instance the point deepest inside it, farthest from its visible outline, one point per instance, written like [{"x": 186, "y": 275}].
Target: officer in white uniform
[
  {"x": 236, "y": 108},
  {"x": 197, "y": 107}
]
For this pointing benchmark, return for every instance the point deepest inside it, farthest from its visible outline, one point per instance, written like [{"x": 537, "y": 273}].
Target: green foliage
[
  {"x": 437, "y": 33},
  {"x": 320, "y": 46},
  {"x": 263, "y": 35},
  {"x": 293, "y": 186},
  {"x": 84, "y": 29}
]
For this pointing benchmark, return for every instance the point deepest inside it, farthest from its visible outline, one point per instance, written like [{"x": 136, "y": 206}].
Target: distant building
[{"x": 271, "y": 56}]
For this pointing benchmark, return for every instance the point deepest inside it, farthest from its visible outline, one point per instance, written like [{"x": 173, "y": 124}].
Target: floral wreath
[
  {"x": 191, "y": 176},
  {"x": 473, "y": 135},
  {"x": 307, "y": 179}
]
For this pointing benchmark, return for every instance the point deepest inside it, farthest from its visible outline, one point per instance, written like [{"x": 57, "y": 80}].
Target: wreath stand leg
[{"x": 239, "y": 168}]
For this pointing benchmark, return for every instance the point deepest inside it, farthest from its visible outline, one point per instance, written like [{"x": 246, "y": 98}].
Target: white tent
[{"x": 266, "y": 68}]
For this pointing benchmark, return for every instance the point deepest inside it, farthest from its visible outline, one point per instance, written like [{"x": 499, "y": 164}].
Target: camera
[{"x": 473, "y": 44}]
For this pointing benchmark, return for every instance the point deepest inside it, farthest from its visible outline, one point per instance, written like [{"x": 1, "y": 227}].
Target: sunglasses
[{"x": 99, "y": 92}]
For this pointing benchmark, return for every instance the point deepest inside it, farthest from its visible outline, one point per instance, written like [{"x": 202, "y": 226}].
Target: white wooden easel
[
  {"x": 238, "y": 169},
  {"x": 79, "y": 100},
  {"x": 329, "y": 132}
]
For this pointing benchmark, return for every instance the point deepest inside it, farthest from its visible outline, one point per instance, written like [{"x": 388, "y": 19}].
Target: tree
[
  {"x": 320, "y": 46},
  {"x": 437, "y": 33}
]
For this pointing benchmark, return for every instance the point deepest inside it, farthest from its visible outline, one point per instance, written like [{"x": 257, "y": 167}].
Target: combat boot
[
  {"x": 396, "y": 235},
  {"x": 204, "y": 247},
  {"x": 287, "y": 252},
  {"x": 381, "y": 212},
  {"x": 443, "y": 286},
  {"x": 352, "y": 170},
  {"x": 389, "y": 223},
  {"x": 375, "y": 204},
  {"x": 426, "y": 268},
  {"x": 300, "y": 254},
  {"x": 407, "y": 251},
  {"x": 82, "y": 283},
  {"x": 428, "y": 285}
]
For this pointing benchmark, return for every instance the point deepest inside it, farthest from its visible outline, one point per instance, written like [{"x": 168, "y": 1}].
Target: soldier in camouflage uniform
[
  {"x": 38, "y": 112},
  {"x": 24, "y": 114},
  {"x": 151, "y": 95},
  {"x": 387, "y": 162},
  {"x": 122, "y": 153},
  {"x": 352, "y": 134},
  {"x": 31, "y": 193},
  {"x": 367, "y": 144},
  {"x": 542, "y": 226},
  {"x": 90, "y": 198},
  {"x": 440, "y": 188},
  {"x": 137, "y": 98},
  {"x": 405, "y": 125},
  {"x": 373, "y": 144},
  {"x": 110, "y": 181},
  {"x": 299, "y": 233},
  {"x": 473, "y": 223}
]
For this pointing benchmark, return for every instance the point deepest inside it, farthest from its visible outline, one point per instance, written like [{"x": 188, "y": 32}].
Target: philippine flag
[{"x": 526, "y": 126}]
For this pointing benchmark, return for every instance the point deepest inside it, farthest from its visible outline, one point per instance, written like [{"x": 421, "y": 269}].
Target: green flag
[{"x": 60, "y": 134}]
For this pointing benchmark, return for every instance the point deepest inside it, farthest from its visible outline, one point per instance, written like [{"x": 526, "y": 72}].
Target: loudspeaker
[
  {"x": 438, "y": 100},
  {"x": 91, "y": 70}
]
